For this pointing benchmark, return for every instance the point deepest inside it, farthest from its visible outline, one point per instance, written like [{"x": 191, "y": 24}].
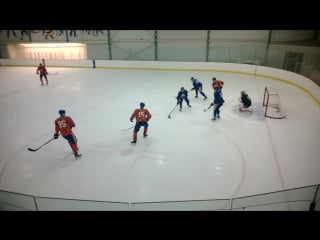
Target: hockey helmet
[
  {"x": 142, "y": 105},
  {"x": 61, "y": 112},
  {"x": 213, "y": 79}
]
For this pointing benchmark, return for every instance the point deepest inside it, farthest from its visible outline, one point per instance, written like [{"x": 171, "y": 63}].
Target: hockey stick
[
  {"x": 172, "y": 111},
  {"x": 207, "y": 108},
  {"x": 53, "y": 73},
  {"x": 127, "y": 128},
  {"x": 33, "y": 150}
]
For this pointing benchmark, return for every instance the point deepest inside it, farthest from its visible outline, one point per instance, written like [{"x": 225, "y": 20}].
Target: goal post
[{"x": 272, "y": 104}]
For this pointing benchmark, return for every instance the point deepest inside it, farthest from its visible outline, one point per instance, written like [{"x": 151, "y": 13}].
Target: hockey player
[
  {"x": 197, "y": 86},
  {"x": 43, "y": 72},
  {"x": 182, "y": 95},
  {"x": 64, "y": 125},
  {"x": 245, "y": 102},
  {"x": 217, "y": 103},
  {"x": 142, "y": 116},
  {"x": 217, "y": 84}
]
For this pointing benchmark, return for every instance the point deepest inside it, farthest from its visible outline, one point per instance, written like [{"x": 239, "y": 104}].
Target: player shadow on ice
[{"x": 63, "y": 162}]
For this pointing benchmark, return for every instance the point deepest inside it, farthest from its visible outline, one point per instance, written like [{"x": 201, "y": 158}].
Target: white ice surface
[{"x": 187, "y": 157}]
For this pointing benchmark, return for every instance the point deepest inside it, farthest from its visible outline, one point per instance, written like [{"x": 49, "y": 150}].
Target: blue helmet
[
  {"x": 62, "y": 112},
  {"x": 182, "y": 88},
  {"x": 192, "y": 79},
  {"x": 142, "y": 105}
]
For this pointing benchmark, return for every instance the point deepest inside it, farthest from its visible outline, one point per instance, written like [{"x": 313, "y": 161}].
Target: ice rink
[{"x": 186, "y": 157}]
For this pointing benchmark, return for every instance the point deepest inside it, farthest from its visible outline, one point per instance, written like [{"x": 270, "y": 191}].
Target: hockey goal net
[{"x": 272, "y": 104}]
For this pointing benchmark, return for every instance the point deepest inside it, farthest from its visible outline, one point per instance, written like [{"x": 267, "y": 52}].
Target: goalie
[{"x": 245, "y": 102}]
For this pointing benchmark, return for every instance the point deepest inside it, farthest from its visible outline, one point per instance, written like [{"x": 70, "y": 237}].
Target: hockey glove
[
  {"x": 131, "y": 120},
  {"x": 55, "y": 136}
]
